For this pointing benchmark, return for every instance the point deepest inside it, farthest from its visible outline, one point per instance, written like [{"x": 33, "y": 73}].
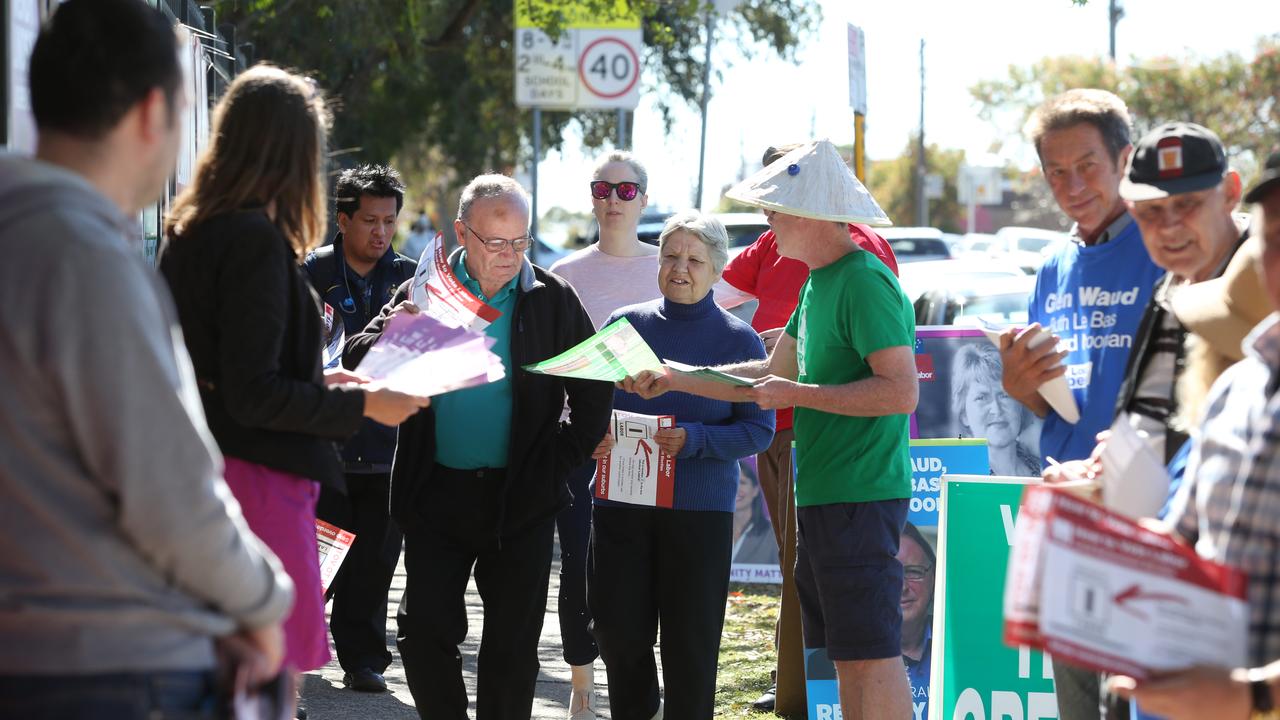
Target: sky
[{"x": 766, "y": 100}]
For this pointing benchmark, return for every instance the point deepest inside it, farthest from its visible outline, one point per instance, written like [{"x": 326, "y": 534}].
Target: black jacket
[
  {"x": 252, "y": 325},
  {"x": 549, "y": 319},
  {"x": 371, "y": 448}
]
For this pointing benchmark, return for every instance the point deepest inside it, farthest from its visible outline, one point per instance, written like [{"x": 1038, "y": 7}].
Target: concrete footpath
[{"x": 326, "y": 699}]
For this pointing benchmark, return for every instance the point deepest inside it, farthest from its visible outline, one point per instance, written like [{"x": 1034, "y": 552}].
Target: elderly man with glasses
[{"x": 477, "y": 480}]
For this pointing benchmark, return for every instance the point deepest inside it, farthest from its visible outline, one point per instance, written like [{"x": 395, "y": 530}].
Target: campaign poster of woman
[{"x": 961, "y": 397}]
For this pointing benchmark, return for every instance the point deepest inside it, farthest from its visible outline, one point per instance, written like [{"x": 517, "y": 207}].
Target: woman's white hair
[{"x": 708, "y": 229}]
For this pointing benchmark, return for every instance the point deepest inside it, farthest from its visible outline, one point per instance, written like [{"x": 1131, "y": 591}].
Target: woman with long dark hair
[{"x": 234, "y": 240}]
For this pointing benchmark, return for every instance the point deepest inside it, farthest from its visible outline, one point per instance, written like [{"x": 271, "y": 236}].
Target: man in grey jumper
[{"x": 123, "y": 556}]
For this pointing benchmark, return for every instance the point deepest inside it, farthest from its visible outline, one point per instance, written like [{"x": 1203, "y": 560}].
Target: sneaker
[{"x": 365, "y": 680}]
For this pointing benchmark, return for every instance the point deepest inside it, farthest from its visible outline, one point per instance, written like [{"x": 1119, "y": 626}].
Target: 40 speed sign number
[{"x": 609, "y": 68}]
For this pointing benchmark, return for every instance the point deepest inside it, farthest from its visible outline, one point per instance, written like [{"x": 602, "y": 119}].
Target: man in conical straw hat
[{"x": 846, "y": 363}]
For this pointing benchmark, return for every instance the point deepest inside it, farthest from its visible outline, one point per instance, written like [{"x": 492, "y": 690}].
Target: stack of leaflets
[
  {"x": 419, "y": 355},
  {"x": 1100, "y": 591},
  {"x": 334, "y": 544},
  {"x": 637, "y": 471},
  {"x": 613, "y": 353},
  {"x": 438, "y": 292},
  {"x": 1056, "y": 392}
]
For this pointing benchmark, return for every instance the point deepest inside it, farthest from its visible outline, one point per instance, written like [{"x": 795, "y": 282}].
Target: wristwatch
[{"x": 1264, "y": 707}]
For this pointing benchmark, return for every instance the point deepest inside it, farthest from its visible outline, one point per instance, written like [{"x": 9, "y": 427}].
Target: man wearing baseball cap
[
  {"x": 846, "y": 363},
  {"x": 1182, "y": 194},
  {"x": 1227, "y": 508}
]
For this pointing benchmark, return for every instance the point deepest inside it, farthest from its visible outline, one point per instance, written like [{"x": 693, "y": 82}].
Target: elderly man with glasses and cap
[
  {"x": 478, "y": 478},
  {"x": 1229, "y": 507},
  {"x": 1182, "y": 196},
  {"x": 846, "y": 364}
]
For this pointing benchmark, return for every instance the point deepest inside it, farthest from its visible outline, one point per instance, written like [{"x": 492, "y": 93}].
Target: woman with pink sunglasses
[{"x": 612, "y": 273}]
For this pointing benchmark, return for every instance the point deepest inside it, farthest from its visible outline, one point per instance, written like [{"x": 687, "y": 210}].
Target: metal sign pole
[{"x": 533, "y": 170}]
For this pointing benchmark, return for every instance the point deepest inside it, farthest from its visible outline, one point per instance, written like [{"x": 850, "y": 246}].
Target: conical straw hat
[{"x": 811, "y": 181}]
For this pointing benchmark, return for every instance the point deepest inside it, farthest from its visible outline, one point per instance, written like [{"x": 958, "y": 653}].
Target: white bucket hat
[{"x": 811, "y": 181}]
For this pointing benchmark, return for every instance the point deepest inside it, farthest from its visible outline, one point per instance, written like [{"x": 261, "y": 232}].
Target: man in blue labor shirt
[
  {"x": 356, "y": 275},
  {"x": 478, "y": 480},
  {"x": 1090, "y": 294},
  {"x": 1092, "y": 291}
]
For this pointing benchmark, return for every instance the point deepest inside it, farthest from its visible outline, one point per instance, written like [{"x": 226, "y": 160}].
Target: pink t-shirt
[{"x": 607, "y": 282}]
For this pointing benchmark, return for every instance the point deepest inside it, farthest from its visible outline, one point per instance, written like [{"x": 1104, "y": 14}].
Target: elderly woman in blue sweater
[{"x": 656, "y": 566}]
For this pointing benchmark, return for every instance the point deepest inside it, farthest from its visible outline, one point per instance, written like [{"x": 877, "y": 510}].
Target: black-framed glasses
[
  {"x": 625, "y": 190},
  {"x": 495, "y": 245},
  {"x": 916, "y": 573}
]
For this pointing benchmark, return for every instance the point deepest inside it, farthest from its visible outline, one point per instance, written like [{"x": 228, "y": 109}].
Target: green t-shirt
[{"x": 849, "y": 310}]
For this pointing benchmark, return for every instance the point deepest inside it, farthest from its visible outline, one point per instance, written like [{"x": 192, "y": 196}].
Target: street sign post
[
  {"x": 858, "y": 96},
  {"x": 594, "y": 64},
  {"x": 979, "y": 185}
]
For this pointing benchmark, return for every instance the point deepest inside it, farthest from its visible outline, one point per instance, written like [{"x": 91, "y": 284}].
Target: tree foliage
[
  {"x": 1237, "y": 97},
  {"x": 892, "y": 184},
  {"x": 434, "y": 79}
]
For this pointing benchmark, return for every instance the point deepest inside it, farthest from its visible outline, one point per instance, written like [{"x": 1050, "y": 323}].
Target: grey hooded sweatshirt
[{"x": 121, "y": 547}]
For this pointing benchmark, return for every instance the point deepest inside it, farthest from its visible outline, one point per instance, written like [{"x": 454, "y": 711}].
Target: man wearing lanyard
[
  {"x": 355, "y": 276},
  {"x": 478, "y": 480}
]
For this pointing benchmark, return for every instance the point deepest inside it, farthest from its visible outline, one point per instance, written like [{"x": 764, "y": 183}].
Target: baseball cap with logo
[
  {"x": 1172, "y": 159},
  {"x": 1269, "y": 180}
]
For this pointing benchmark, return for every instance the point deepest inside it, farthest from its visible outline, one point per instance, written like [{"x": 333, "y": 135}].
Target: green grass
[{"x": 747, "y": 654}]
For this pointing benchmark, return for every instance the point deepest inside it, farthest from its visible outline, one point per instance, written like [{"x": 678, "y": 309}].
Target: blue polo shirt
[{"x": 473, "y": 426}]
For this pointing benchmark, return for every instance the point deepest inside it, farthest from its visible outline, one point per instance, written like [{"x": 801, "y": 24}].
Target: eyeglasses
[
  {"x": 916, "y": 573},
  {"x": 625, "y": 191},
  {"x": 495, "y": 245}
]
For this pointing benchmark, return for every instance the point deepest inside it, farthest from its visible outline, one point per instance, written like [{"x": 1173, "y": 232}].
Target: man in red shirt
[{"x": 760, "y": 272}]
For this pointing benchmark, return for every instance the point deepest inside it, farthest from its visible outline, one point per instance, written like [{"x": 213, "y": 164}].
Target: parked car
[
  {"x": 1026, "y": 246},
  {"x": 976, "y": 242},
  {"x": 1002, "y": 301},
  {"x": 918, "y": 277},
  {"x": 914, "y": 244}
]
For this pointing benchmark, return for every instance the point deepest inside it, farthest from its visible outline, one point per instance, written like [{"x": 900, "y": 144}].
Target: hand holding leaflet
[
  {"x": 613, "y": 353},
  {"x": 1101, "y": 591},
  {"x": 419, "y": 355},
  {"x": 1056, "y": 392},
  {"x": 637, "y": 470}
]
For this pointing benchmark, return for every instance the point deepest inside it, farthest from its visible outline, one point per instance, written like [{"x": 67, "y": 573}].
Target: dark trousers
[
  {"x": 573, "y": 525},
  {"x": 649, "y": 567},
  {"x": 512, "y": 577},
  {"x": 180, "y": 695},
  {"x": 778, "y": 485},
  {"x": 358, "y": 619}
]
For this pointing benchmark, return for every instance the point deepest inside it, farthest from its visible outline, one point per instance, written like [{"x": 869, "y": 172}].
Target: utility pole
[
  {"x": 922, "y": 205},
  {"x": 1114, "y": 13},
  {"x": 706, "y": 96}
]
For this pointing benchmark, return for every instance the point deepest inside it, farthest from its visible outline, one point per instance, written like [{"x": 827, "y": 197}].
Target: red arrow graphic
[
  {"x": 1134, "y": 593},
  {"x": 648, "y": 454}
]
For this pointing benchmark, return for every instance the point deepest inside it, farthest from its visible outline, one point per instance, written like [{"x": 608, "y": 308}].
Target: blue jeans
[{"x": 185, "y": 695}]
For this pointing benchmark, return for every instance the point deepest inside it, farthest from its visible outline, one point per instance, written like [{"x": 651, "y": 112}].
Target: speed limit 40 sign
[{"x": 594, "y": 64}]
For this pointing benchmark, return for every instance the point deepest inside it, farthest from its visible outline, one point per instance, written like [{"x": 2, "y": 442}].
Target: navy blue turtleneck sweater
[{"x": 719, "y": 433}]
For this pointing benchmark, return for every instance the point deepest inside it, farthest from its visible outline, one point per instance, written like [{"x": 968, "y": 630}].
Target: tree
[
  {"x": 1237, "y": 98},
  {"x": 435, "y": 77},
  {"x": 892, "y": 184}
]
